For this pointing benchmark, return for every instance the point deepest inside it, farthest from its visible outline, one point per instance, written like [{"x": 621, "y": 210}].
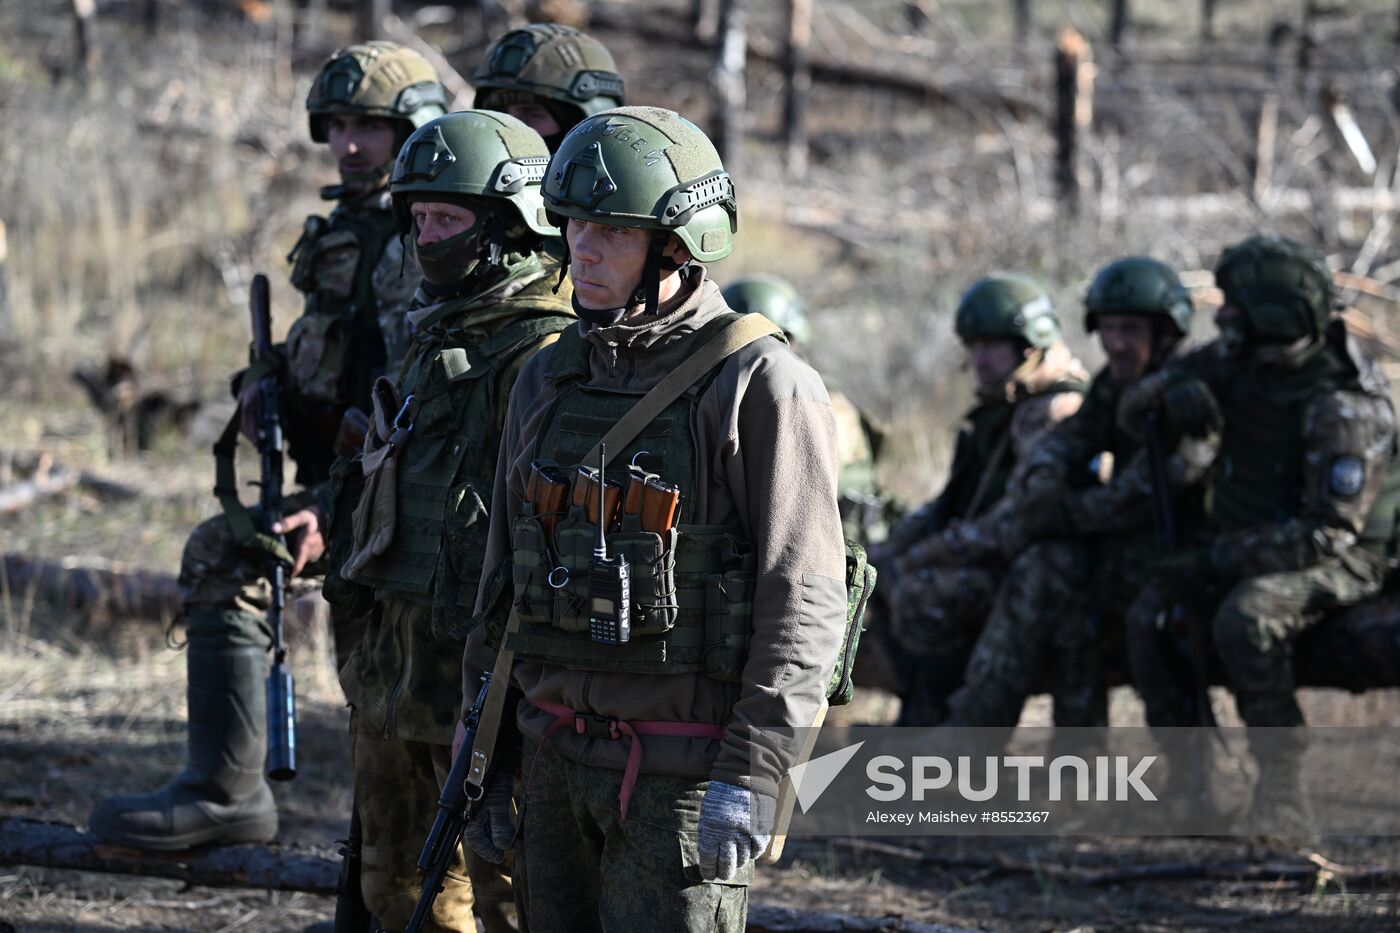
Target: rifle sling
[{"x": 672, "y": 386}]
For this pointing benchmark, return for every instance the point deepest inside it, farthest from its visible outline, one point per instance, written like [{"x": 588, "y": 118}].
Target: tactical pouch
[
  {"x": 728, "y": 622},
  {"x": 318, "y": 346},
  {"x": 651, "y": 559},
  {"x": 860, "y": 583},
  {"x": 347, "y": 485},
  {"x": 459, "y": 561},
  {"x": 530, "y": 569}
]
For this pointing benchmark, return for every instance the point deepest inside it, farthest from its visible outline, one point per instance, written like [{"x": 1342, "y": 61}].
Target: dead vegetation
[{"x": 139, "y": 200}]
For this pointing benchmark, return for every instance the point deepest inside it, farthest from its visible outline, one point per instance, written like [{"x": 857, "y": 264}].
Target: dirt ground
[{"x": 82, "y": 716}]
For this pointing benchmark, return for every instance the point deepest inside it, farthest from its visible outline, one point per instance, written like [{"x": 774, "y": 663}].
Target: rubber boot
[
  {"x": 221, "y": 796},
  {"x": 1281, "y": 811}
]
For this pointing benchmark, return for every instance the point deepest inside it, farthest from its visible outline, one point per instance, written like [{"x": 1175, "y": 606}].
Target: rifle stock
[
  {"x": 281, "y": 688},
  {"x": 455, "y": 807}
]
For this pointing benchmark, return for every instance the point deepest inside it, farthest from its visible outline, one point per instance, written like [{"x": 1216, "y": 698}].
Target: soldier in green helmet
[
  {"x": 864, "y": 510},
  {"x": 948, "y": 558},
  {"x": 1300, "y": 509},
  {"x": 1085, "y": 512},
  {"x": 550, "y": 77},
  {"x": 411, "y": 518},
  {"x": 647, "y": 801},
  {"x": 364, "y": 101}
]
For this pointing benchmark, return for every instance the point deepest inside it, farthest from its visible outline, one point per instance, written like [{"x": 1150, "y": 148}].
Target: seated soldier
[
  {"x": 950, "y": 555},
  {"x": 1299, "y": 509},
  {"x": 1061, "y": 606},
  {"x": 864, "y": 509}
]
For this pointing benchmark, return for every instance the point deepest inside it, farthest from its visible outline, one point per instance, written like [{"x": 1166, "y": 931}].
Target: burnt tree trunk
[
  {"x": 1074, "y": 112},
  {"x": 370, "y": 23},
  {"x": 727, "y": 83},
  {"x": 1118, "y": 25},
  {"x": 1021, "y": 14},
  {"x": 84, "y": 38},
  {"x": 799, "y": 85},
  {"x": 1208, "y": 20}
]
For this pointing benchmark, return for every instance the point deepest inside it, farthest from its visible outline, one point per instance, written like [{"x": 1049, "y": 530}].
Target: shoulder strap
[
  {"x": 736, "y": 336},
  {"x": 733, "y": 338}
]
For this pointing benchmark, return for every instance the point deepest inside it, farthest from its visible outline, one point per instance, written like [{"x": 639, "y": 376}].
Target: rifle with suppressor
[
  {"x": 281, "y": 695},
  {"x": 456, "y": 805},
  {"x": 1164, "y": 517}
]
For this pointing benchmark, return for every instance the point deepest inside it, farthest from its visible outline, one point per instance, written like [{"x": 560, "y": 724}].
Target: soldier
[
  {"x": 864, "y": 509},
  {"x": 950, "y": 556},
  {"x": 1059, "y": 611},
  {"x": 614, "y": 835},
  {"x": 1300, "y": 508},
  {"x": 467, "y": 187},
  {"x": 550, "y": 77},
  {"x": 364, "y": 102}
]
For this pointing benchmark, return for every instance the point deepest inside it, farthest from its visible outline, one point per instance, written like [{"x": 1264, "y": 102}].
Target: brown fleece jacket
[{"x": 767, "y": 436}]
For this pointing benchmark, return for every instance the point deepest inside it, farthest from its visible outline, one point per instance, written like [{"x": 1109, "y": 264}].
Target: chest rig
[
  {"x": 335, "y": 349},
  {"x": 450, "y": 400},
  {"x": 691, "y": 586}
]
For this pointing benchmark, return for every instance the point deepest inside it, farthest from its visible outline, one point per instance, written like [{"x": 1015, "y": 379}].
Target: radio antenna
[{"x": 600, "y": 550}]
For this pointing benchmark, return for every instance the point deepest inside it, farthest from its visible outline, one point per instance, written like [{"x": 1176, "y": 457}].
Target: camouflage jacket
[
  {"x": 1308, "y": 446},
  {"x": 358, "y": 282},
  {"x": 403, "y": 675},
  {"x": 1098, "y": 474},
  {"x": 971, "y": 519}
]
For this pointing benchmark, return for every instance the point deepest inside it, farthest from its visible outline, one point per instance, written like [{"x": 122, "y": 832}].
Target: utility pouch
[
  {"x": 347, "y": 485},
  {"x": 318, "y": 346},
  {"x": 860, "y": 583},
  {"x": 531, "y": 567},
  {"x": 459, "y": 562}
]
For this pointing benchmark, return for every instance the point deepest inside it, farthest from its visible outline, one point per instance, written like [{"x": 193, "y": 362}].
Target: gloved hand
[
  {"x": 735, "y": 826},
  {"x": 1186, "y": 571},
  {"x": 1191, "y": 408},
  {"x": 491, "y": 831}
]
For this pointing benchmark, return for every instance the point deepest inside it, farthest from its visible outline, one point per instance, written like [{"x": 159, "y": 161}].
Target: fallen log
[
  {"x": 98, "y": 588},
  {"x": 277, "y": 868},
  {"x": 291, "y": 868}
]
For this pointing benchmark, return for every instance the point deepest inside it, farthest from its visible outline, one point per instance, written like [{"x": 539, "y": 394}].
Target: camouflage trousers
[
  {"x": 1251, "y": 625},
  {"x": 397, "y": 784},
  {"x": 937, "y": 614},
  {"x": 216, "y": 573},
  {"x": 1056, "y": 623},
  {"x": 579, "y": 867}
]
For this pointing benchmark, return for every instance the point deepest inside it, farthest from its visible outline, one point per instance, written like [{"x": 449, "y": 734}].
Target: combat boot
[
  {"x": 1281, "y": 810},
  {"x": 221, "y": 796}
]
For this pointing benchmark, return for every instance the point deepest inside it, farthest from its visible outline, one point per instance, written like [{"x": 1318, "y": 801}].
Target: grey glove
[
  {"x": 735, "y": 826},
  {"x": 491, "y": 831}
]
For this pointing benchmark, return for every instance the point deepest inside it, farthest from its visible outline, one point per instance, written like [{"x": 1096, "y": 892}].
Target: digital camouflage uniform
[
  {"x": 1301, "y": 503},
  {"x": 1086, "y": 503},
  {"x": 357, "y": 283},
  {"x": 951, "y": 555},
  {"x": 417, "y": 533},
  {"x": 752, "y": 448}
]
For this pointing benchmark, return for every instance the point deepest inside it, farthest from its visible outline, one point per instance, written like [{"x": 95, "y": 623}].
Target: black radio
[{"x": 609, "y": 580}]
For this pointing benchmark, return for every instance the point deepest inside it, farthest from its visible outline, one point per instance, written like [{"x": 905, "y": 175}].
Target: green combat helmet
[
  {"x": 486, "y": 161},
  {"x": 375, "y": 79},
  {"x": 648, "y": 168},
  {"x": 564, "y": 69},
  {"x": 1140, "y": 286},
  {"x": 1283, "y": 288},
  {"x": 1002, "y": 307},
  {"x": 775, "y": 299}
]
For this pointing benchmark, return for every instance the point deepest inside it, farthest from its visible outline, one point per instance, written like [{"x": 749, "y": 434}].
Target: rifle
[
  {"x": 281, "y": 696},
  {"x": 456, "y": 805},
  {"x": 1164, "y": 517}
]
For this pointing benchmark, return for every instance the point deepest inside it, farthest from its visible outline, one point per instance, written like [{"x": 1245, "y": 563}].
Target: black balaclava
[{"x": 452, "y": 266}]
